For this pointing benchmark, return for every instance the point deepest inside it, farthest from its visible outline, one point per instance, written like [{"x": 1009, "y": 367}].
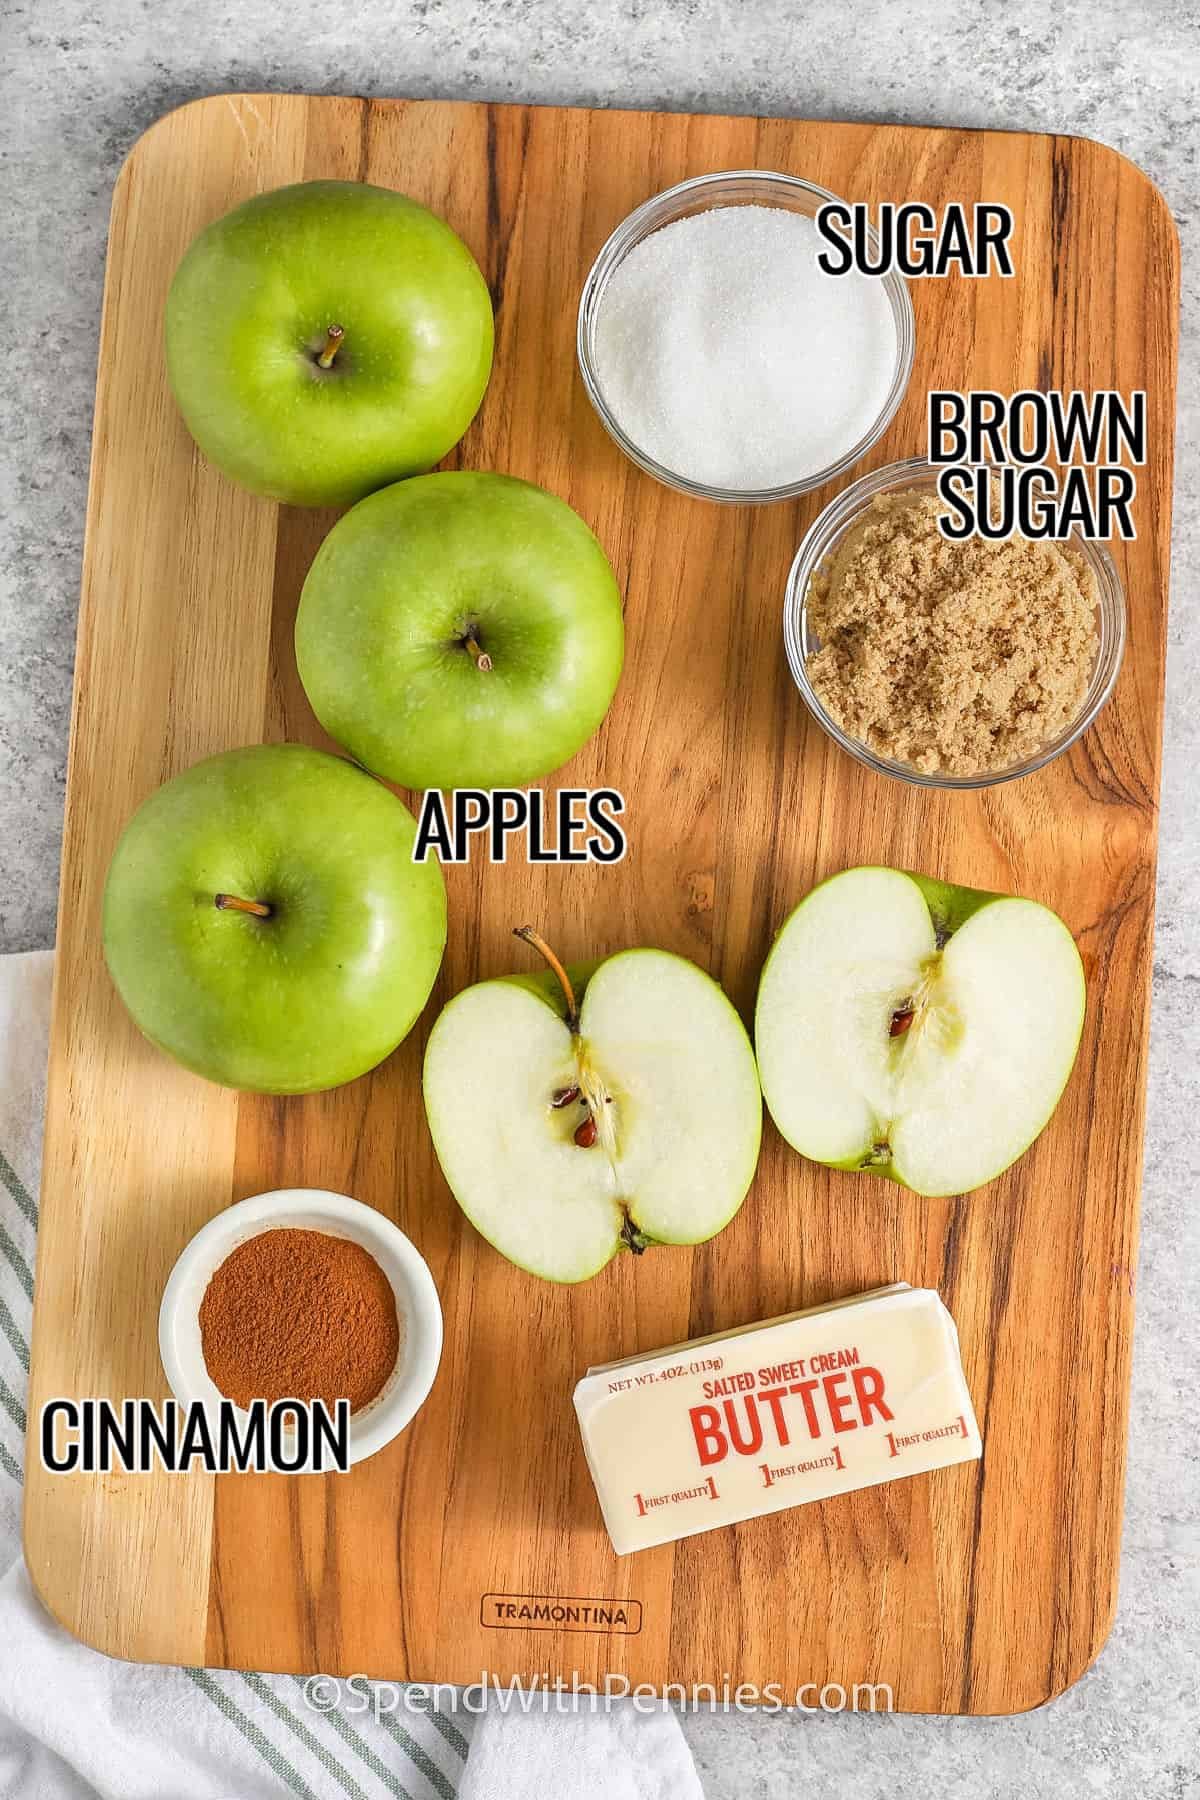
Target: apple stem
[
  {"x": 482, "y": 660},
  {"x": 333, "y": 339},
  {"x": 258, "y": 909},
  {"x": 534, "y": 938}
]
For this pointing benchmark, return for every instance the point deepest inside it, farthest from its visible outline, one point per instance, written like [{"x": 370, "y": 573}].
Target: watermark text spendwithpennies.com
[{"x": 541, "y": 1694}]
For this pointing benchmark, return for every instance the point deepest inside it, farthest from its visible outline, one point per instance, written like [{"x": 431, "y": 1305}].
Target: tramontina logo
[{"x": 560, "y": 1612}]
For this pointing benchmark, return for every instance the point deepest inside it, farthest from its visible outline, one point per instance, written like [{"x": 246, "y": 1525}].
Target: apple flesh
[
  {"x": 460, "y": 630},
  {"x": 916, "y": 1030},
  {"x": 265, "y": 924},
  {"x": 618, "y": 1110},
  {"x": 327, "y": 338}
]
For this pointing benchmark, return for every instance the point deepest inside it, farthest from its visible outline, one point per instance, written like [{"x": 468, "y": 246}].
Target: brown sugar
[
  {"x": 956, "y": 657},
  {"x": 299, "y": 1315}
]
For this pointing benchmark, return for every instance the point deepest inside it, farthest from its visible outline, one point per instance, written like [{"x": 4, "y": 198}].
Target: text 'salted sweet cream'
[{"x": 771, "y": 1416}]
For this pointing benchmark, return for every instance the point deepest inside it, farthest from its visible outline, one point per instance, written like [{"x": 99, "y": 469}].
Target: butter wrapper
[{"x": 774, "y": 1415}]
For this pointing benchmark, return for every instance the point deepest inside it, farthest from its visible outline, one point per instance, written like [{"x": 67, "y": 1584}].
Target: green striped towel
[{"x": 74, "y": 1723}]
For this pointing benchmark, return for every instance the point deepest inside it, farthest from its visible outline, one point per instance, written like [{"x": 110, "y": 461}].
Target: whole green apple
[
  {"x": 327, "y": 338},
  {"x": 265, "y": 924},
  {"x": 916, "y": 1030},
  {"x": 460, "y": 630}
]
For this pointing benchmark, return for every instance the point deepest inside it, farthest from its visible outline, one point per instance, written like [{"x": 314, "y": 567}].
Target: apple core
[{"x": 599, "y": 1125}]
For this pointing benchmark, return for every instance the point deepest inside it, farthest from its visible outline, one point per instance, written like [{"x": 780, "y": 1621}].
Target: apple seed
[{"x": 585, "y": 1134}]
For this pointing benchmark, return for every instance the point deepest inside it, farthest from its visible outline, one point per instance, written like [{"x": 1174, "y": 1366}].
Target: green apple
[
  {"x": 327, "y": 338},
  {"x": 265, "y": 924},
  {"x": 584, "y": 1111},
  {"x": 916, "y": 1030},
  {"x": 460, "y": 630}
]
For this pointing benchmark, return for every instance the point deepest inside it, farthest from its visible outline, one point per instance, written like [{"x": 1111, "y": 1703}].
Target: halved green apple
[
  {"x": 580, "y": 1112},
  {"x": 916, "y": 1030}
]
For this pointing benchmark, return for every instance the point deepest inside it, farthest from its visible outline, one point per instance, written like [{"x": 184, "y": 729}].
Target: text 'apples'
[
  {"x": 582, "y": 1111},
  {"x": 460, "y": 630},
  {"x": 917, "y": 1030},
  {"x": 265, "y": 924},
  {"x": 327, "y": 338}
]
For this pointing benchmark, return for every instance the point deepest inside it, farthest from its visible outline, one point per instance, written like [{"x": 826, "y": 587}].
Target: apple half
[
  {"x": 916, "y": 1030},
  {"x": 578, "y": 1113}
]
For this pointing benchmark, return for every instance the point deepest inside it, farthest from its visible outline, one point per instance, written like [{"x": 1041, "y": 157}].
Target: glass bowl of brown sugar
[
  {"x": 947, "y": 664},
  {"x": 303, "y": 1295}
]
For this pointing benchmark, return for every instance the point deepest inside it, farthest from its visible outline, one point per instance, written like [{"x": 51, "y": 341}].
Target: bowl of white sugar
[{"x": 720, "y": 355}]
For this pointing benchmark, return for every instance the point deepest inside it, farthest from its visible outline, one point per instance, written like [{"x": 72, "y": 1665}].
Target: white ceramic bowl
[{"x": 309, "y": 1209}]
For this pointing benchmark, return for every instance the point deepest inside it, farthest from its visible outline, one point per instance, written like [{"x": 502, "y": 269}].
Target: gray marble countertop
[{"x": 85, "y": 77}]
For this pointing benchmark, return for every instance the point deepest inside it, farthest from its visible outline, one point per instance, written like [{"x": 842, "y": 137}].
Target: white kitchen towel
[
  {"x": 74, "y": 1723},
  {"x": 623, "y": 1754}
]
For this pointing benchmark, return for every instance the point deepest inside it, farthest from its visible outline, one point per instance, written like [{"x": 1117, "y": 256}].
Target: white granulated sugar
[{"x": 727, "y": 355}]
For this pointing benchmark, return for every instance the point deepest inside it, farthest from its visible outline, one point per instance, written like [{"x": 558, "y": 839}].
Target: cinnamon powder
[{"x": 299, "y": 1315}]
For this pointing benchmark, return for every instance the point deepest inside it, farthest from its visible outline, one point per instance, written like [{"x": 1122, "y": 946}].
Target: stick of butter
[{"x": 770, "y": 1416}]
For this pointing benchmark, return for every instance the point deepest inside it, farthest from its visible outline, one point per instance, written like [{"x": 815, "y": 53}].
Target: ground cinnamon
[{"x": 299, "y": 1315}]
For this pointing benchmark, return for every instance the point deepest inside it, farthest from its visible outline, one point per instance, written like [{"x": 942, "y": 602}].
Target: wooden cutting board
[{"x": 986, "y": 1588}]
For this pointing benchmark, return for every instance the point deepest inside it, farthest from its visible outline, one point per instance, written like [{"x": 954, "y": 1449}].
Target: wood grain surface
[{"x": 986, "y": 1588}]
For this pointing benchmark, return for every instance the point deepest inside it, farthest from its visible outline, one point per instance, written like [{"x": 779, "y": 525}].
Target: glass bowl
[
  {"x": 800, "y": 640},
  {"x": 739, "y": 187}
]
